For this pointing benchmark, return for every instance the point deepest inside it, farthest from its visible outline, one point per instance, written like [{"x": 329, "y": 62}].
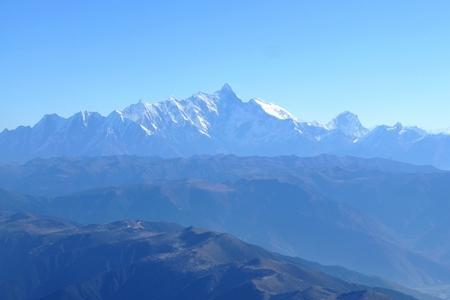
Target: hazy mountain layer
[
  {"x": 59, "y": 176},
  {"x": 360, "y": 213}
]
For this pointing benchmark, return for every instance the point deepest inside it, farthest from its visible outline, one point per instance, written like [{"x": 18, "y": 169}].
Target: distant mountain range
[
  {"x": 217, "y": 123},
  {"x": 376, "y": 216},
  {"x": 45, "y": 258}
]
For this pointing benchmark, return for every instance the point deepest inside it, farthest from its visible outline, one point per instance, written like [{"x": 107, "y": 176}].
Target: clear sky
[{"x": 386, "y": 60}]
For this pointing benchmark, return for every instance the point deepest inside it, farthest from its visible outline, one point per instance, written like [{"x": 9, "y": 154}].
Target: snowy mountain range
[{"x": 217, "y": 123}]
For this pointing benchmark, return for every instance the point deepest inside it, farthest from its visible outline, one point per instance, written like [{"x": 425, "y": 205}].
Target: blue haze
[{"x": 387, "y": 61}]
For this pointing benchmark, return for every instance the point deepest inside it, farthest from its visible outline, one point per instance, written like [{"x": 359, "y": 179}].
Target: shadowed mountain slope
[
  {"x": 373, "y": 215},
  {"x": 44, "y": 258}
]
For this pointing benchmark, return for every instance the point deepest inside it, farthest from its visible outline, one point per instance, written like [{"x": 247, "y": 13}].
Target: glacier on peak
[
  {"x": 218, "y": 122},
  {"x": 273, "y": 109}
]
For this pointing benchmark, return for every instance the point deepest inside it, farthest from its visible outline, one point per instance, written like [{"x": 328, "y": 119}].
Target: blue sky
[{"x": 387, "y": 61}]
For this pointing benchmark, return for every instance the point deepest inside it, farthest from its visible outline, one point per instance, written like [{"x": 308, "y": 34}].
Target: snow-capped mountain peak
[
  {"x": 85, "y": 117},
  {"x": 226, "y": 90},
  {"x": 349, "y": 124},
  {"x": 400, "y": 129},
  {"x": 136, "y": 112},
  {"x": 219, "y": 122}
]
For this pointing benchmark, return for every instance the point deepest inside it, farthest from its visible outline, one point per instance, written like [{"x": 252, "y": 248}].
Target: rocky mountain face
[
  {"x": 217, "y": 123},
  {"x": 44, "y": 258}
]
